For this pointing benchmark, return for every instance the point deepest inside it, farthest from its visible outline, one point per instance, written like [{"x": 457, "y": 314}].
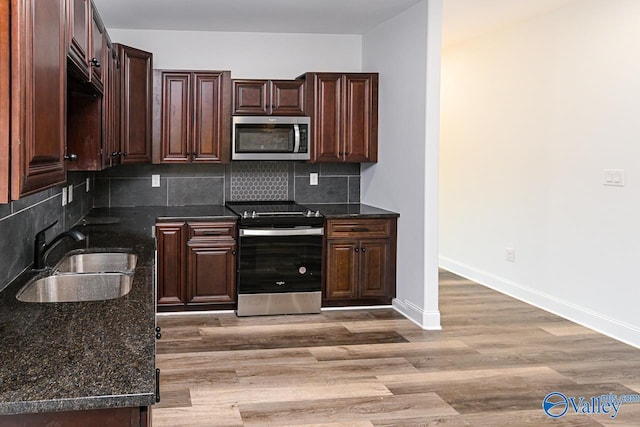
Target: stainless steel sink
[
  {"x": 76, "y": 287},
  {"x": 97, "y": 262}
]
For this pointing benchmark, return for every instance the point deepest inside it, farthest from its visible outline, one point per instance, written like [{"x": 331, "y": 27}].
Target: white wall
[
  {"x": 531, "y": 116},
  {"x": 247, "y": 55},
  {"x": 405, "y": 179}
]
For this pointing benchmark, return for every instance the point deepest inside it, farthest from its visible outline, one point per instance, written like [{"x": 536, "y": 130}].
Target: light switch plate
[
  {"x": 70, "y": 194},
  {"x": 614, "y": 177},
  {"x": 510, "y": 254},
  {"x": 155, "y": 180},
  {"x": 64, "y": 196},
  {"x": 87, "y": 185},
  {"x": 313, "y": 178}
]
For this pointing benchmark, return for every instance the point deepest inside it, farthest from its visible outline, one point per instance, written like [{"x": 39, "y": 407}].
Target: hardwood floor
[{"x": 492, "y": 364}]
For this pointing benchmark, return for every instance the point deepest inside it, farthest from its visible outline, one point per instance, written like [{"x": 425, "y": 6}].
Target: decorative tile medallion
[{"x": 259, "y": 181}]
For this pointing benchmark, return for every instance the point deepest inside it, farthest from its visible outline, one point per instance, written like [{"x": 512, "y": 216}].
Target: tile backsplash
[
  {"x": 130, "y": 185},
  {"x": 22, "y": 219}
]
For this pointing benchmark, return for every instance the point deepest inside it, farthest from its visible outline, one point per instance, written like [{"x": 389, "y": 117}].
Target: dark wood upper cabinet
[
  {"x": 87, "y": 43},
  {"x": 344, "y": 116},
  {"x": 5, "y": 100},
  {"x": 250, "y": 97},
  {"x": 135, "y": 102},
  {"x": 85, "y": 136},
  {"x": 78, "y": 36},
  {"x": 268, "y": 97},
  {"x": 111, "y": 113},
  {"x": 38, "y": 92},
  {"x": 191, "y": 116},
  {"x": 97, "y": 59}
]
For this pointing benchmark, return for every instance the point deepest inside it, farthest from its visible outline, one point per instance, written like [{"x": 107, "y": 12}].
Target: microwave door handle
[{"x": 296, "y": 144}]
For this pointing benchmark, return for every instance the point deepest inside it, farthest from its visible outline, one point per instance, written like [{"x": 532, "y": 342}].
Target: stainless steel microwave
[{"x": 270, "y": 138}]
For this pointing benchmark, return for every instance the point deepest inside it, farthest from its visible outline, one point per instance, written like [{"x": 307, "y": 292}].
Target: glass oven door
[{"x": 280, "y": 260}]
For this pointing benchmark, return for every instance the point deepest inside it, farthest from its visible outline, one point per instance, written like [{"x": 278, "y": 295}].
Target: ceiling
[
  {"x": 278, "y": 16},
  {"x": 462, "y": 19}
]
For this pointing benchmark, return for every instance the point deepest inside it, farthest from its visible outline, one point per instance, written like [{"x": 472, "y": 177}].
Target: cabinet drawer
[
  {"x": 208, "y": 230},
  {"x": 359, "y": 228}
]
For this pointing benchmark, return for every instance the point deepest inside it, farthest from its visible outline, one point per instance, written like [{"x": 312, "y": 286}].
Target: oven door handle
[{"x": 281, "y": 232}]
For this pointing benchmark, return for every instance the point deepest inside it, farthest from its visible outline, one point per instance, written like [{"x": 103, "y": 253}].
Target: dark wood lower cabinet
[
  {"x": 360, "y": 262},
  {"x": 211, "y": 272},
  {"x": 196, "y": 265},
  {"x": 112, "y": 417}
]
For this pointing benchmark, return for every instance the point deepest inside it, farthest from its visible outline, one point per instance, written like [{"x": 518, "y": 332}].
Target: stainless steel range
[{"x": 279, "y": 258}]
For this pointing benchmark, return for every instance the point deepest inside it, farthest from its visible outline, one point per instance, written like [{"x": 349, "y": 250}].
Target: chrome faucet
[{"x": 41, "y": 247}]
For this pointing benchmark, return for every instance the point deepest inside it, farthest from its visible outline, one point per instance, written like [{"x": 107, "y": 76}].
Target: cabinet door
[
  {"x": 342, "y": 269},
  {"x": 327, "y": 120},
  {"x": 170, "y": 268},
  {"x": 360, "y": 122},
  {"x": 287, "y": 97},
  {"x": 176, "y": 118},
  {"x": 136, "y": 92},
  {"x": 250, "y": 97},
  {"x": 5, "y": 79},
  {"x": 211, "y": 117},
  {"x": 374, "y": 268},
  {"x": 78, "y": 30},
  {"x": 112, "y": 93},
  {"x": 97, "y": 57},
  {"x": 211, "y": 271},
  {"x": 38, "y": 91}
]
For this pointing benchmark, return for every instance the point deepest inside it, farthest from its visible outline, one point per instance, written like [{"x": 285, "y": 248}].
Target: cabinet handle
[
  {"x": 95, "y": 62},
  {"x": 125, "y": 154},
  {"x": 340, "y": 153},
  {"x": 359, "y": 229},
  {"x": 346, "y": 153},
  {"x": 71, "y": 157},
  {"x": 234, "y": 253},
  {"x": 157, "y": 385},
  {"x": 116, "y": 154},
  {"x": 363, "y": 249},
  {"x": 357, "y": 250}
]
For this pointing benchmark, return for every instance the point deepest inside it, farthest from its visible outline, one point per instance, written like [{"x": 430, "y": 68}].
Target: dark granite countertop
[
  {"x": 84, "y": 355},
  {"x": 194, "y": 213},
  {"x": 99, "y": 354},
  {"x": 350, "y": 210}
]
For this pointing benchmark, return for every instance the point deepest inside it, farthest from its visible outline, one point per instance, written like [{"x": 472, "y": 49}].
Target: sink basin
[
  {"x": 97, "y": 262},
  {"x": 76, "y": 287}
]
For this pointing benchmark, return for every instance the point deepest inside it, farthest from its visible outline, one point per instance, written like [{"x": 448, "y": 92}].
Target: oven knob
[
  {"x": 245, "y": 214},
  {"x": 254, "y": 214},
  {"x": 318, "y": 214},
  {"x": 309, "y": 213}
]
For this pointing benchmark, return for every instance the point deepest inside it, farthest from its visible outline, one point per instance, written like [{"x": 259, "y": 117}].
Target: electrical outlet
[
  {"x": 614, "y": 177},
  {"x": 155, "y": 180},
  {"x": 87, "y": 184},
  {"x": 313, "y": 178},
  {"x": 70, "y": 194},
  {"x": 64, "y": 196},
  {"x": 510, "y": 254}
]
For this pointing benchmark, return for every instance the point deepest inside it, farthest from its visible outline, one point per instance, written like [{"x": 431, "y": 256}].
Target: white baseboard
[
  {"x": 611, "y": 327},
  {"x": 427, "y": 320}
]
